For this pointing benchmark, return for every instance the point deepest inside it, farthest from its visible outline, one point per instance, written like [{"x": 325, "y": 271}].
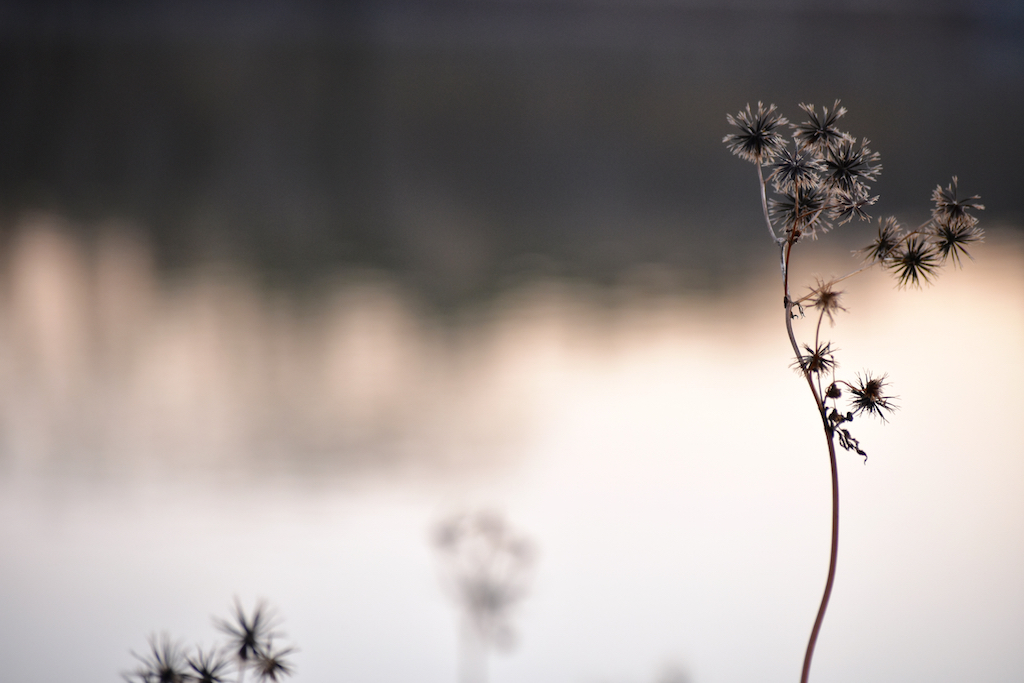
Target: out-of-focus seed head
[{"x": 826, "y": 300}]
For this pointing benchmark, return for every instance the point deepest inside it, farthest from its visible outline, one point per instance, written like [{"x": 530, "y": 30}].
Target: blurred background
[{"x": 284, "y": 284}]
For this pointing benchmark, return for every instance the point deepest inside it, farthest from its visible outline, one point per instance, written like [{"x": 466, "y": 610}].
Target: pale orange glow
[{"x": 661, "y": 452}]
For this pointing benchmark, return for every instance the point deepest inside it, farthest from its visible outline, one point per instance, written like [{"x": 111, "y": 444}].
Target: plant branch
[
  {"x": 829, "y": 438},
  {"x": 767, "y": 219},
  {"x": 812, "y": 641},
  {"x": 764, "y": 202},
  {"x": 835, "y": 281}
]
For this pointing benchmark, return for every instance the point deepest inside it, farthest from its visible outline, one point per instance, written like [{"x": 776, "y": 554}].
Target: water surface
[{"x": 170, "y": 444}]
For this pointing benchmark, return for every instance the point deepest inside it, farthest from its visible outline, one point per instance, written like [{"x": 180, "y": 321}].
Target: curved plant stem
[
  {"x": 835, "y": 281},
  {"x": 767, "y": 218},
  {"x": 785, "y": 250},
  {"x": 819, "y": 403},
  {"x": 764, "y": 203},
  {"x": 805, "y": 673}
]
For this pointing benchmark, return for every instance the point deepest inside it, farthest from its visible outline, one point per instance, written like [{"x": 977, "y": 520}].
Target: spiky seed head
[
  {"x": 208, "y": 666},
  {"x": 869, "y": 396},
  {"x": 272, "y": 665},
  {"x": 914, "y": 262},
  {"x": 819, "y": 132},
  {"x": 952, "y": 227},
  {"x": 849, "y": 205},
  {"x": 248, "y": 635},
  {"x": 948, "y": 207},
  {"x": 800, "y": 212},
  {"x": 952, "y": 237},
  {"x": 826, "y": 300},
  {"x": 165, "y": 663},
  {"x": 758, "y": 139},
  {"x": 886, "y": 244},
  {"x": 820, "y": 359},
  {"x": 850, "y": 167},
  {"x": 792, "y": 170}
]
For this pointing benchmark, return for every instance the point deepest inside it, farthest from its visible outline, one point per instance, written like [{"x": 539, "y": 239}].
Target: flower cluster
[
  {"x": 821, "y": 176},
  {"x": 250, "y": 645},
  {"x": 915, "y": 255}
]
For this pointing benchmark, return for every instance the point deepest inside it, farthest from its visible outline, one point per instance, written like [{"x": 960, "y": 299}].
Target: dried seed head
[
  {"x": 949, "y": 208},
  {"x": 869, "y": 396},
  {"x": 890, "y": 234},
  {"x": 757, "y": 140},
  {"x": 165, "y": 663},
  {"x": 819, "y": 132},
  {"x": 850, "y": 167},
  {"x": 820, "y": 359},
  {"x": 849, "y": 205},
  {"x": 914, "y": 262},
  {"x": 800, "y": 211},
  {"x": 208, "y": 666},
  {"x": 792, "y": 170},
  {"x": 951, "y": 237},
  {"x": 826, "y": 300}
]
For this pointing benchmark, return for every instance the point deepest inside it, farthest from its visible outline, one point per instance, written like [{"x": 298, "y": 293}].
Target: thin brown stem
[
  {"x": 764, "y": 202},
  {"x": 820, "y": 405},
  {"x": 767, "y": 219},
  {"x": 917, "y": 231},
  {"x": 785, "y": 253},
  {"x": 835, "y": 281},
  {"x": 817, "y": 336},
  {"x": 812, "y": 641},
  {"x": 785, "y": 288},
  {"x": 817, "y": 330}
]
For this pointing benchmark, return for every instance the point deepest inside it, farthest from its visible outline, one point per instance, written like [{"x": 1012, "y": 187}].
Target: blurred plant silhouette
[
  {"x": 485, "y": 568},
  {"x": 165, "y": 663},
  {"x": 250, "y": 646},
  {"x": 820, "y": 178}
]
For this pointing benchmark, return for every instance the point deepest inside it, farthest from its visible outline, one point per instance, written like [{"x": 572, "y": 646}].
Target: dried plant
[
  {"x": 209, "y": 666},
  {"x": 271, "y": 664},
  {"x": 820, "y": 177},
  {"x": 249, "y": 638},
  {"x": 250, "y": 646},
  {"x": 165, "y": 663},
  {"x": 485, "y": 570}
]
